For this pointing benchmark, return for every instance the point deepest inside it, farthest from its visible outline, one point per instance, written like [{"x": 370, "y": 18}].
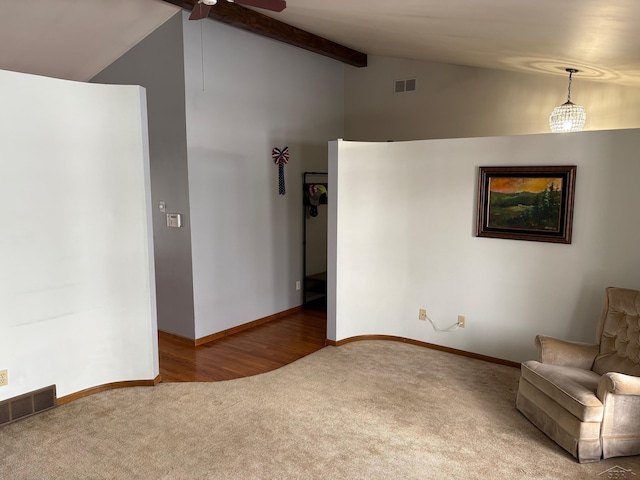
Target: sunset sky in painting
[{"x": 520, "y": 184}]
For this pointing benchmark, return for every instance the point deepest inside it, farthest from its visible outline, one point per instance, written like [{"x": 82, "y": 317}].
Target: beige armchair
[{"x": 587, "y": 397}]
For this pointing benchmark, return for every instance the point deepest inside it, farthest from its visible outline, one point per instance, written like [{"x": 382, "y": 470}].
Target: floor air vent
[{"x": 28, "y": 404}]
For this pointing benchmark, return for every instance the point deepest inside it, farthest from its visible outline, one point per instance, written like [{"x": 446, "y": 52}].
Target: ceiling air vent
[{"x": 402, "y": 86}]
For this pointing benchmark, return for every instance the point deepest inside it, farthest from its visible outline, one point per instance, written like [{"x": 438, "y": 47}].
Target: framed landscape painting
[{"x": 526, "y": 203}]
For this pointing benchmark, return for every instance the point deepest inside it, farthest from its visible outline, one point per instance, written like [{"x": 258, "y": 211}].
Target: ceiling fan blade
[
  {"x": 273, "y": 5},
  {"x": 200, "y": 11}
]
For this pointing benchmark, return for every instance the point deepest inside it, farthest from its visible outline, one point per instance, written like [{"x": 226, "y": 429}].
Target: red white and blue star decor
[{"x": 280, "y": 158}]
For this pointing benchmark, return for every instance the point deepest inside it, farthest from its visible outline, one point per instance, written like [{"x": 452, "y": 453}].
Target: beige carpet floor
[{"x": 366, "y": 410}]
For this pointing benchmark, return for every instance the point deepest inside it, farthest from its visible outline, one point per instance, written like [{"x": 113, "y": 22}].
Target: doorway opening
[{"x": 315, "y": 197}]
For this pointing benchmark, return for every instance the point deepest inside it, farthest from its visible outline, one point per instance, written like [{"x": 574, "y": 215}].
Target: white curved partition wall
[
  {"x": 402, "y": 238},
  {"x": 77, "y": 294}
]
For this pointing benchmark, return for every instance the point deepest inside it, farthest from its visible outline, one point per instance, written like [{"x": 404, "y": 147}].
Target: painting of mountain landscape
[
  {"x": 532, "y": 203},
  {"x": 525, "y": 203}
]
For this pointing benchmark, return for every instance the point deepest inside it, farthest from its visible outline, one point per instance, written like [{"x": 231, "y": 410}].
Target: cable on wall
[{"x": 451, "y": 328}]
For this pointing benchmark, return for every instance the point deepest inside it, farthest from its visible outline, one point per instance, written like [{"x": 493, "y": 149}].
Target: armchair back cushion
[{"x": 618, "y": 333}]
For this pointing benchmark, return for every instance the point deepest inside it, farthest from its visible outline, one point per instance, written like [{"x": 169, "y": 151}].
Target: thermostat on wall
[{"x": 174, "y": 220}]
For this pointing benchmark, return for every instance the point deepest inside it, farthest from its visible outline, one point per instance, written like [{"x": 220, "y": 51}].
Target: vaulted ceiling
[{"x": 75, "y": 39}]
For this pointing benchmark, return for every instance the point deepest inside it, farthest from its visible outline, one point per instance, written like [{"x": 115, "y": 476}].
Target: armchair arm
[
  {"x": 565, "y": 353},
  {"x": 619, "y": 384}
]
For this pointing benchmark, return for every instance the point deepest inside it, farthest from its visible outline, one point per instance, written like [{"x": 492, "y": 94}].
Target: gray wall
[
  {"x": 251, "y": 94},
  {"x": 452, "y": 101},
  {"x": 156, "y": 63},
  {"x": 239, "y": 254}
]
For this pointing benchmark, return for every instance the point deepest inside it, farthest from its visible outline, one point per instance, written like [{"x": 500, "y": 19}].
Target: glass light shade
[{"x": 567, "y": 117}]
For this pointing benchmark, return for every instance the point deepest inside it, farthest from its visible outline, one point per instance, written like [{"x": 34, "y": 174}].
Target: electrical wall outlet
[
  {"x": 298, "y": 285},
  {"x": 4, "y": 377},
  {"x": 422, "y": 314},
  {"x": 461, "y": 321}
]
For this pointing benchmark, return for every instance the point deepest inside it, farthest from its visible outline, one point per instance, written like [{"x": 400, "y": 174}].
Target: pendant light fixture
[{"x": 568, "y": 117}]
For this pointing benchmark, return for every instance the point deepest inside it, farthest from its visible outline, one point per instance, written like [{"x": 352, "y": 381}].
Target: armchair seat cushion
[{"x": 572, "y": 388}]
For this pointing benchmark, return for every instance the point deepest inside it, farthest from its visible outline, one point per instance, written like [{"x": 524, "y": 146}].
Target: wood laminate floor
[{"x": 256, "y": 350}]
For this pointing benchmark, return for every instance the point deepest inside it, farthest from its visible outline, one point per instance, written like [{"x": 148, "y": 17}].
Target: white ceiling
[{"x": 75, "y": 39}]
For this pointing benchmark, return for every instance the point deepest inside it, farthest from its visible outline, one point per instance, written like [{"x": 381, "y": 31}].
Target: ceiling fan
[{"x": 201, "y": 9}]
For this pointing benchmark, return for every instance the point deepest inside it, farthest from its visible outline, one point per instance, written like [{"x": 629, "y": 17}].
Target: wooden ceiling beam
[{"x": 252, "y": 21}]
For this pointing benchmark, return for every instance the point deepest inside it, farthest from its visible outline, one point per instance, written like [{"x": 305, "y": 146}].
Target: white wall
[
  {"x": 244, "y": 96},
  {"x": 156, "y": 63},
  {"x": 455, "y": 101},
  {"x": 402, "y": 237},
  {"x": 76, "y": 284}
]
